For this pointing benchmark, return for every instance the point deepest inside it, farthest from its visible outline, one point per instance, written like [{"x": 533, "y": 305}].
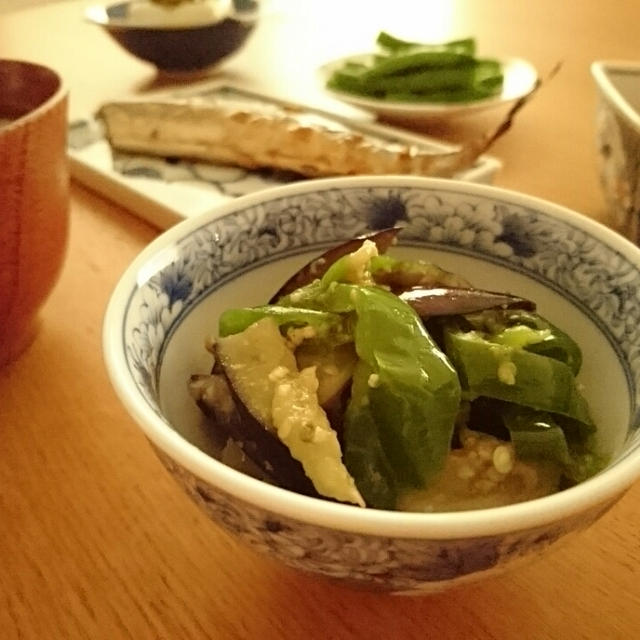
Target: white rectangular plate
[{"x": 164, "y": 191}]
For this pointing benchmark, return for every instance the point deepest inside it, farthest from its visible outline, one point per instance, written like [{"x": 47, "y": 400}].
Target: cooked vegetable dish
[
  {"x": 397, "y": 385},
  {"x": 415, "y": 72}
]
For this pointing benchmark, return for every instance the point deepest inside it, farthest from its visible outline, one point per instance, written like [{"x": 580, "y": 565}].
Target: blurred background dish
[
  {"x": 618, "y": 140},
  {"x": 186, "y": 37},
  {"x": 520, "y": 78},
  {"x": 166, "y": 190}
]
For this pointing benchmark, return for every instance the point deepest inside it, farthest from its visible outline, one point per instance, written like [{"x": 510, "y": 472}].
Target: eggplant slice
[
  {"x": 230, "y": 418},
  {"x": 317, "y": 267},
  {"x": 455, "y": 301}
]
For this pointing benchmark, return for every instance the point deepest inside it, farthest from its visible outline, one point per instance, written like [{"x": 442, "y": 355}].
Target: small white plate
[{"x": 520, "y": 78}]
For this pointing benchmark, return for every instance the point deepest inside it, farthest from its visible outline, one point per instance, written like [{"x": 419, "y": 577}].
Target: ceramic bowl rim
[
  {"x": 599, "y": 71},
  {"x": 602, "y": 489}
]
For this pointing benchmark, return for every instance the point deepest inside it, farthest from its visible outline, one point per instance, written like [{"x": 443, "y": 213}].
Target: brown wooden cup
[{"x": 34, "y": 197}]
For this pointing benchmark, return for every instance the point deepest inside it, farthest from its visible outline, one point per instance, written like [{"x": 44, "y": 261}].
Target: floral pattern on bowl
[{"x": 401, "y": 566}]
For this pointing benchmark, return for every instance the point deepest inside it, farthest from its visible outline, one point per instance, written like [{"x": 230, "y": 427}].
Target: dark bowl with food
[
  {"x": 192, "y": 42},
  {"x": 400, "y": 475}
]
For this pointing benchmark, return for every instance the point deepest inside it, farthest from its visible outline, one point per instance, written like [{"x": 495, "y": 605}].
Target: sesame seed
[
  {"x": 278, "y": 373},
  {"x": 319, "y": 435},
  {"x": 502, "y": 459},
  {"x": 507, "y": 372},
  {"x": 283, "y": 389}
]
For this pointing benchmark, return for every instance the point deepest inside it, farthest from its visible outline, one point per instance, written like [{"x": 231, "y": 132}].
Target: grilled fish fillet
[
  {"x": 279, "y": 138},
  {"x": 276, "y": 136}
]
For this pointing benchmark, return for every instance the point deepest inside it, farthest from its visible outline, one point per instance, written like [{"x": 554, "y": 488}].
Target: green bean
[
  {"x": 414, "y": 72},
  {"x": 470, "y": 82},
  {"x": 435, "y": 79},
  {"x": 392, "y": 44},
  {"x": 418, "y": 59},
  {"x": 451, "y": 96},
  {"x": 349, "y": 78},
  {"x": 488, "y": 72}
]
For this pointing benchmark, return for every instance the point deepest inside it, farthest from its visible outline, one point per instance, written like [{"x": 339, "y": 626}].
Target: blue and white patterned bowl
[
  {"x": 192, "y": 46},
  {"x": 583, "y": 276}
]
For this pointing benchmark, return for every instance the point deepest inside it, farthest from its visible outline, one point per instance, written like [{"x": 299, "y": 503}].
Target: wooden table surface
[{"x": 96, "y": 540}]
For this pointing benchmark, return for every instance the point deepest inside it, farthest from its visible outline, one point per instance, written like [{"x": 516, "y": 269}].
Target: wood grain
[{"x": 97, "y": 541}]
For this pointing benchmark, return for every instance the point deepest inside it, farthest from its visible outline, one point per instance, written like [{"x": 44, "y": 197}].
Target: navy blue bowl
[{"x": 182, "y": 49}]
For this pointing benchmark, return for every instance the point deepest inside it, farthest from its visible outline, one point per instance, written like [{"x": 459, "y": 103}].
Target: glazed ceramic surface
[
  {"x": 584, "y": 278},
  {"x": 181, "y": 48},
  {"x": 34, "y": 197},
  {"x": 618, "y": 141}
]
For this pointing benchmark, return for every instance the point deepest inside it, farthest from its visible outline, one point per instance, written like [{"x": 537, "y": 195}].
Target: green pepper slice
[
  {"x": 412, "y": 395},
  {"x": 405, "y": 398},
  {"x": 551, "y": 341},
  {"x": 542, "y": 437},
  {"x": 515, "y": 375},
  {"x": 536, "y": 435},
  {"x": 235, "y": 321}
]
